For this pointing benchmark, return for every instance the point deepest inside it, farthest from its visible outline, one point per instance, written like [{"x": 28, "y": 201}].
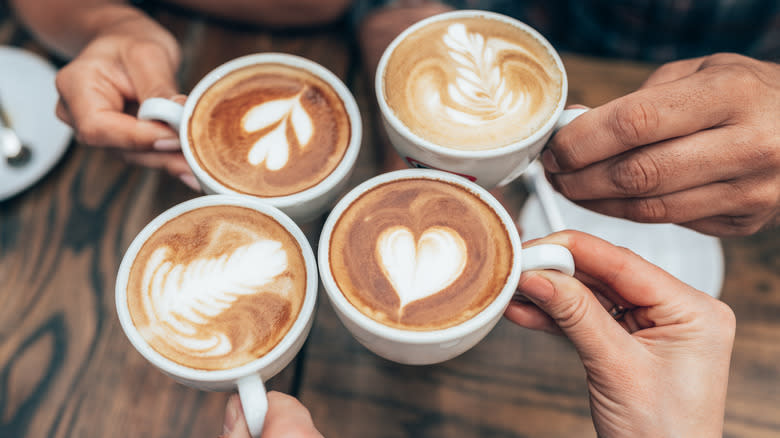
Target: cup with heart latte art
[
  {"x": 219, "y": 293},
  {"x": 420, "y": 264},
  {"x": 472, "y": 92},
  {"x": 273, "y": 126}
]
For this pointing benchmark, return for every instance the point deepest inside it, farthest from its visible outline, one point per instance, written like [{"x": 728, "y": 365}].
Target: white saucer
[
  {"x": 28, "y": 96},
  {"x": 694, "y": 258}
]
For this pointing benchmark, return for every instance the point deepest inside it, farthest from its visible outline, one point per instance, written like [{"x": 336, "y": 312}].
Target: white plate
[
  {"x": 692, "y": 257},
  {"x": 29, "y": 97}
]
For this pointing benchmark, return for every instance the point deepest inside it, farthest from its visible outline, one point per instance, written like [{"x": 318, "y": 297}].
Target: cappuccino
[
  {"x": 269, "y": 130},
  {"x": 216, "y": 287},
  {"x": 420, "y": 254},
  {"x": 472, "y": 83}
]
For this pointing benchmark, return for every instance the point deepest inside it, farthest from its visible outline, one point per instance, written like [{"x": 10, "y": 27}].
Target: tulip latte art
[
  {"x": 269, "y": 130},
  {"x": 472, "y": 83},
  {"x": 420, "y": 254},
  {"x": 216, "y": 287}
]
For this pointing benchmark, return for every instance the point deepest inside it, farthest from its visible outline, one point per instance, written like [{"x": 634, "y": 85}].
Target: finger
[
  {"x": 576, "y": 311},
  {"x": 727, "y": 226},
  {"x": 528, "y": 315},
  {"x": 235, "y": 425},
  {"x": 728, "y": 199},
  {"x": 62, "y": 113},
  {"x": 172, "y": 162},
  {"x": 636, "y": 280},
  {"x": 150, "y": 69},
  {"x": 665, "y": 167},
  {"x": 287, "y": 417},
  {"x": 96, "y": 112},
  {"x": 643, "y": 117},
  {"x": 672, "y": 71}
]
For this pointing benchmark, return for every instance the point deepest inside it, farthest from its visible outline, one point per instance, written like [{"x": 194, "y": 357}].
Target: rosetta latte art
[
  {"x": 472, "y": 84},
  {"x": 181, "y": 301}
]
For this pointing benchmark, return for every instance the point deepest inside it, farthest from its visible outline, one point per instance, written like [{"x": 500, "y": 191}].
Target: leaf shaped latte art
[
  {"x": 480, "y": 84},
  {"x": 181, "y": 299},
  {"x": 273, "y": 148}
]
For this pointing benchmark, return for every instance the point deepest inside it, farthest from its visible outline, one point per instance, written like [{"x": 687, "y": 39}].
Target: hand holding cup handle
[{"x": 164, "y": 110}]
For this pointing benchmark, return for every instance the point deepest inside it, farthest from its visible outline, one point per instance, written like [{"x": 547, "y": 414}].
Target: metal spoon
[{"x": 16, "y": 153}]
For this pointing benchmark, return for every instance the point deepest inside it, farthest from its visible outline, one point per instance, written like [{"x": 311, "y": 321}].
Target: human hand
[
  {"x": 661, "y": 369},
  {"x": 698, "y": 145},
  {"x": 131, "y": 60},
  {"x": 286, "y": 418}
]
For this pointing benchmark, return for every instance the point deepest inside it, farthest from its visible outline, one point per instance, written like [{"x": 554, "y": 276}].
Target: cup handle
[
  {"x": 567, "y": 116},
  {"x": 164, "y": 110},
  {"x": 548, "y": 256},
  {"x": 255, "y": 403}
]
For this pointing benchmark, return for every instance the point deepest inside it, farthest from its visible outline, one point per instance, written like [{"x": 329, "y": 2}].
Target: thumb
[
  {"x": 235, "y": 424},
  {"x": 577, "y": 312}
]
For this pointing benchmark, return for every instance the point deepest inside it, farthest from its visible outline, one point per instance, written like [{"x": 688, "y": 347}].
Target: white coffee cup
[
  {"x": 248, "y": 378},
  {"x": 302, "y": 206},
  {"x": 428, "y": 347},
  {"x": 488, "y": 168}
]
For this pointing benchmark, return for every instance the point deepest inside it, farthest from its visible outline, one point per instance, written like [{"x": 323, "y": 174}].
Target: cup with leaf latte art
[
  {"x": 219, "y": 293},
  {"x": 471, "y": 92}
]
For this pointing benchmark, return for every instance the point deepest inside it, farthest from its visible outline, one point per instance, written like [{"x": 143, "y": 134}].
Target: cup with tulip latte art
[
  {"x": 273, "y": 126},
  {"x": 218, "y": 292},
  {"x": 473, "y": 93},
  {"x": 420, "y": 264}
]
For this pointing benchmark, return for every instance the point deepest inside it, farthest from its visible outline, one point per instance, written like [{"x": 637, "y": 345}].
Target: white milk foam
[
  {"x": 420, "y": 269},
  {"x": 183, "y": 298},
  {"x": 274, "y": 146}
]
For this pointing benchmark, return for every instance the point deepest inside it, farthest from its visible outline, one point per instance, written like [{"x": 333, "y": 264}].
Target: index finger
[
  {"x": 646, "y": 116},
  {"x": 636, "y": 280}
]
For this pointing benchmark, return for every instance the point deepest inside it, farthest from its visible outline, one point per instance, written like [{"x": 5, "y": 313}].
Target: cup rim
[
  {"x": 485, "y": 316},
  {"x": 287, "y": 342},
  {"x": 350, "y": 106},
  {"x": 392, "y": 119}
]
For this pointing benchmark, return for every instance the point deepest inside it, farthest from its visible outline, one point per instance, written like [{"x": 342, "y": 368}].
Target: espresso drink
[
  {"x": 420, "y": 254},
  {"x": 472, "y": 83},
  {"x": 269, "y": 130},
  {"x": 216, "y": 287}
]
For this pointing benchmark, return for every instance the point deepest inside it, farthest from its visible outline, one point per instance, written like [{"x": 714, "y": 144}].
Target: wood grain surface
[{"x": 67, "y": 370}]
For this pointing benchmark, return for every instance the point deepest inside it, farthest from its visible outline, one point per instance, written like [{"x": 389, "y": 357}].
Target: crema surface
[
  {"x": 216, "y": 287},
  {"x": 269, "y": 130},
  {"x": 420, "y": 254},
  {"x": 472, "y": 83}
]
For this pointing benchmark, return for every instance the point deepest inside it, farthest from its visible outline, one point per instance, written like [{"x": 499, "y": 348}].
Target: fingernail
[
  {"x": 536, "y": 288},
  {"x": 577, "y": 106},
  {"x": 167, "y": 144},
  {"x": 549, "y": 162},
  {"x": 190, "y": 181},
  {"x": 231, "y": 415}
]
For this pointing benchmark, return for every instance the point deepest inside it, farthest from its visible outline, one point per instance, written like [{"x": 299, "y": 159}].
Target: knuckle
[
  {"x": 143, "y": 50},
  {"x": 724, "y": 317},
  {"x": 636, "y": 175},
  {"x": 742, "y": 225},
  {"x": 572, "y": 311},
  {"x": 564, "y": 147},
  {"x": 88, "y": 133},
  {"x": 632, "y": 122},
  {"x": 647, "y": 210}
]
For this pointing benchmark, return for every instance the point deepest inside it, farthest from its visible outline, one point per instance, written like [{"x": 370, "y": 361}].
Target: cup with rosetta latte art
[
  {"x": 420, "y": 264},
  {"x": 219, "y": 293},
  {"x": 473, "y": 93},
  {"x": 274, "y": 126}
]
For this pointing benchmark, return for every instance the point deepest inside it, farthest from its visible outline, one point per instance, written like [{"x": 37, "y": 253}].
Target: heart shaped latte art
[{"x": 423, "y": 268}]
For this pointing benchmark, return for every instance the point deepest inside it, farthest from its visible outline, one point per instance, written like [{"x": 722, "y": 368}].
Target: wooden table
[{"x": 67, "y": 370}]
